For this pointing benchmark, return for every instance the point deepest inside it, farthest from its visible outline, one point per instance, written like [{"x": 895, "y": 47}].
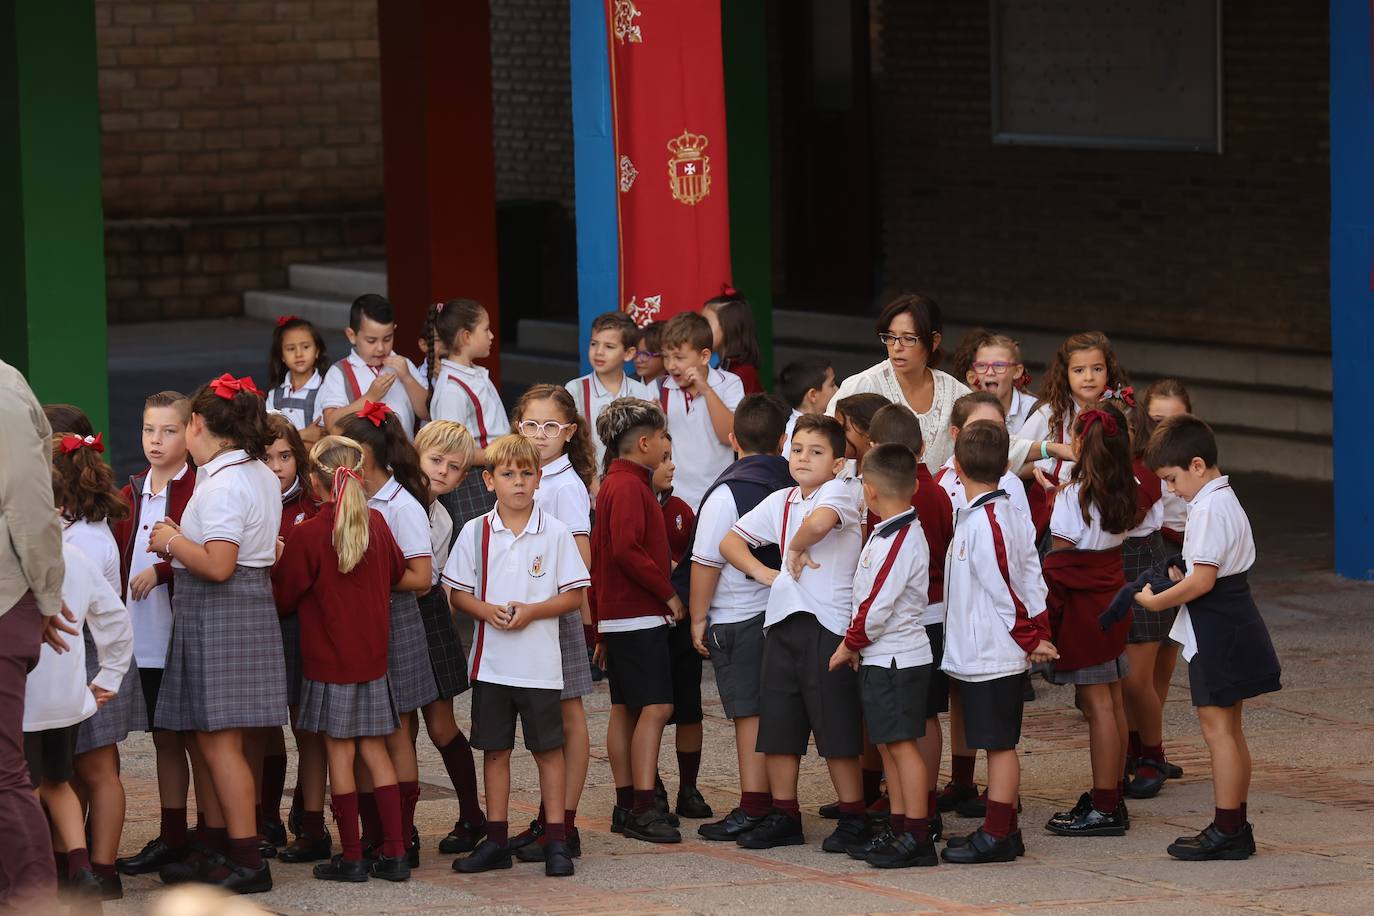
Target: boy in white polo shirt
[
  {"x": 515, "y": 570},
  {"x": 612, "y": 346},
  {"x": 373, "y": 370},
  {"x": 700, "y": 403},
  {"x": 816, "y": 527}
]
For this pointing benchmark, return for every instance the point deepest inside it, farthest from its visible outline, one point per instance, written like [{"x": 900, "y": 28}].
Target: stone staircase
[{"x": 1271, "y": 408}]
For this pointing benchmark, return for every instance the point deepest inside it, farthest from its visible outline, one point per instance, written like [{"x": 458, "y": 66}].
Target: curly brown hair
[
  {"x": 1056, "y": 392},
  {"x": 1103, "y": 470},
  {"x": 579, "y": 447},
  {"x": 282, "y": 428},
  {"x": 83, "y": 485}
]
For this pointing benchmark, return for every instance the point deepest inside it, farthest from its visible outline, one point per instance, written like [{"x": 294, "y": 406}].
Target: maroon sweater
[
  {"x": 677, "y": 521},
  {"x": 178, "y": 495},
  {"x": 345, "y": 617},
  {"x": 1081, "y": 585},
  {"x": 296, "y": 510},
  {"x": 629, "y": 547}
]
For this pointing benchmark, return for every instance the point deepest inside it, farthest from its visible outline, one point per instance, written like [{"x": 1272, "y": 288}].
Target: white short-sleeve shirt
[
  {"x": 97, "y": 542},
  {"x": 440, "y": 538},
  {"x": 1066, "y": 521},
  {"x": 1175, "y": 511},
  {"x": 466, "y": 395},
  {"x": 1218, "y": 535},
  {"x": 563, "y": 495},
  {"x": 590, "y": 397},
  {"x": 236, "y": 499},
  {"x": 949, "y": 481},
  {"x": 824, "y": 592},
  {"x": 787, "y": 436},
  {"x": 1022, "y": 405},
  {"x": 151, "y": 616},
  {"x": 499, "y": 566},
  {"x": 338, "y": 390},
  {"x": 284, "y": 393},
  {"x": 407, "y": 519},
  {"x": 737, "y": 596},
  {"x": 699, "y": 455}
]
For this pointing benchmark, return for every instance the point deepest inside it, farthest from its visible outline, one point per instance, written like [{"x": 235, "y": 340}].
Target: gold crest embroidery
[
  {"x": 628, "y": 174},
  {"x": 689, "y": 171},
  {"x": 625, "y": 28},
  {"x": 537, "y": 567},
  {"x": 679, "y": 522}
]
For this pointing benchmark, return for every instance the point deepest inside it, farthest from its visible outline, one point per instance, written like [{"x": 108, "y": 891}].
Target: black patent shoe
[
  {"x": 830, "y": 812},
  {"x": 412, "y": 851},
  {"x": 652, "y": 827},
  {"x": 537, "y": 852},
  {"x": 389, "y": 869},
  {"x": 243, "y": 880},
  {"x": 1211, "y": 844},
  {"x": 1081, "y": 807},
  {"x": 486, "y": 857},
  {"x": 464, "y": 837},
  {"x": 1172, "y": 771},
  {"x": 690, "y": 804},
  {"x": 980, "y": 847},
  {"x": 150, "y": 858},
  {"x": 777, "y": 829},
  {"x": 733, "y": 824},
  {"x": 82, "y": 888},
  {"x": 558, "y": 860},
  {"x": 1018, "y": 844},
  {"x": 111, "y": 887},
  {"x": 194, "y": 867},
  {"x": 293, "y": 817},
  {"x": 1144, "y": 785},
  {"x": 266, "y": 849},
  {"x": 525, "y": 837},
  {"x": 975, "y": 807},
  {"x": 273, "y": 832},
  {"x": 619, "y": 816},
  {"x": 937, "y": 827},
  {"x": 305, "y": 848},
  {"x": 850, "y": 831},
  {"x": 1091, "y": 823},
  {"x": 337, "y": 869},
  {"x": 881, "y": 839},
  {"x": 1123, "y": 814},
  {"x": 952, "y": 794},
  {"x": 905, "y": 852}
]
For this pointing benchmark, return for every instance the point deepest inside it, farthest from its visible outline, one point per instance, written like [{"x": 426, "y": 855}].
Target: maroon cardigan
[
  {"x": 1081, "y": 585},
  {"x": 178, "y": 495},
  {"x": 629, "y": 547}
]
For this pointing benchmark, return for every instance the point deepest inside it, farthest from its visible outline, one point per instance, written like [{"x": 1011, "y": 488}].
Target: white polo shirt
[
  {"x": 949, "y": 481},
  {"x": 440, "y": 538},
  {"x": 737, "y": 597},
  {"x": 699, "y": 455},
  {"x": 1019, "y": 412},
  {"x": 151, "y": 616},
  {"x": 1066, "y": 521},
  {"x": 236, "y": 499},
  {"x": 890, "y": 593},
  {"x": 349, "y": 378},
  {"x": 499, "y": 566},
  {"x": 1037, "y": 429},
  {"x": 791, "y": 425},
  {"x": 1218, "y": 535},
  {"x": 1175, "y": 511},
  {"x": 466, "y": 395},
  {"x": 563, "y": 495},
  {"x": 407, "y": 519},
  {"x": 284, "y": 393},
  {"x": 591, "y": 396},
  {"x": 97, "y": 542},
  {"x": 825, "y": 592}
]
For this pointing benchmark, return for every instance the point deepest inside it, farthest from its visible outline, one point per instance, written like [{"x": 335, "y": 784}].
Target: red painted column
[{"x": 438, "y": 165}]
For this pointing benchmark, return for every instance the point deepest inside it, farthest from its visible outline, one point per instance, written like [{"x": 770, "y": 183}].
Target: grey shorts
[
  {"x": 495, "y": 708},
  {"x": 894, "y": 701},
  {"x": 737, "y": 656},
  {"x": 799, "y": 696}
]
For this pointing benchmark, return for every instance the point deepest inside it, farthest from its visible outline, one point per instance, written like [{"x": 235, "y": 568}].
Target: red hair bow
[
  {"x": 226, "y": 386},
  {"x": 727, "y": 290},
  {"x": 1089, "y": 417},
  {"x": 71, "y": 442},
  {"x": 284, "y": 320},
  {"x": 1122, "y": 393},
  {"x": 375, "y": 412},
  {"x": 341, "y": 478}
]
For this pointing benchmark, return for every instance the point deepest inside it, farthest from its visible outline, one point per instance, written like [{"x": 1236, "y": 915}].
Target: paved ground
[{"x": 1312, "y": 800}]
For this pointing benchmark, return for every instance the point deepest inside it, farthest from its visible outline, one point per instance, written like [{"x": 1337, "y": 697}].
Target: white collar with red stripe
[
  {"x": 388, "y": 491},
  {"x": 555, "y": 467},
  {"x": 987, "y": 498},
  {"x": 358, "y": 363},
  {"x": 1210, "y": 487},
  {"x": 469, "y": 373},
  {"x": 891, "y": 526},
  {"x": 226, "y": 460},
  {"x": 535, "y": 524},
  {"x": 148, "y": 480}
]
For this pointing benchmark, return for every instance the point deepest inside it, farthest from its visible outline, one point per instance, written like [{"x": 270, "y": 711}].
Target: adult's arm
[{"x": 35, "y": 535}]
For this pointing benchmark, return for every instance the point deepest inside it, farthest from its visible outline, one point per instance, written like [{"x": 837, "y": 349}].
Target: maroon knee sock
[
  {"x": 1104, "y": 800},
  {"x": 216, "y": 839},
  {"x": 273, "y": 784},
  {"x": 389, "y": 812},
  {"x": 462, "y": 772},
  {"x": 1133, "y": 745},
  {"x": 173, "y": 828},
  {"x": 1229, "y": 820},
  {"x": 688, "y": 765},
  {"x": 570, "y": 819},
  {"x": 873, "y": 786},
  {"x": 961, "y": 769},
  {"x": 897, "y": 822},
  {"x": 244, "y": 852},
  {"x": 77, "y": 860},
  {"x": 410, "y": 796},
  {"x": 1245, "y": 811},
  {"x": 312, "y": 822},
  {"x": 555, "y": 833},
  {"x": 625, "y": 797},
  {"x": 498, "y": 832},
  {"x": 918, "y": 827},
  {"x": 104, "y": 870},
  {"x": 643, "y": 801},
  {"x": 59, "y": 860},
  {"x": 788, "y": 806},
  {"x": 755, "y": 804},
  {"x": 852, "y": 809},
  {"x": 999, "y": 819},
  {"x": 346, "y": 819},
  {"x": 371, "y": 818}
]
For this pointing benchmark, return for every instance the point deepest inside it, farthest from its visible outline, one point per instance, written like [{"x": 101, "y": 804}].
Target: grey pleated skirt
[
  {"x": 225, "y": 666},
  {"x": 408, "y": 665},
  {"x": 112, "y": 722},
  {"x": 348, "y": 710},
  {"x": 572, "y": 645},
  {"x": 445, "y": 654},
  {"x": 1108, "y": 672}
]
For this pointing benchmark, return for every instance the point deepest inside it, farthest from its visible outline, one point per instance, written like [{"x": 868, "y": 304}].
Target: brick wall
[{"x": 1226, "y": 248}]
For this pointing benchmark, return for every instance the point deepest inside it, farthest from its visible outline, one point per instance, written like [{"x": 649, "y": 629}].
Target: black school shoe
[
  {"x": 691, "y": 805},
  {"x": 1211, "y": 844},
  {"x": 974, "y": 807},
  {"x": 266, "y": 849},
  {"x": 1172, "y": 771},
  {"x": 337, "y": 869},
  {"x": 1146, "y": 786},
  {"x": 305, "y": 848},
  {"x": 981, "y": 847},
  {"x": 1017, "y": 843},
  {"x": 905, "y": 852},
  {"x": 389, "y": 869},
  {"x": 731, "y": 827},
  {"x": 777, "y": 829},
  {"x": 937, "y": 827},
  {"x": 273, "y": 832},
  {"x": 243, "y": 880},
  {"x": 84, "y": 886},
  {"x": 195, "y": 866},
  {"x": 652, "y": 827},
  {"x": 850, "y": 831},
  {"x": 1081, "y": 807},
  {"x": 538, "y": 852},
  {"x": 527, "y": 836},
  {"x": 150, "y": 858},
  {"x": 558, "y": 860},
  {"x": 619, "y": 816},
  {"x": 951, "y": 795},
  {"x": 464, "y": 837},
  {"x": 1091, "y": 823},
  {"x": 486, "y": 857},
  {"x": 881, "y": 839},
  {"x": 831, "y": 811},
  {"x": 111, "y": 887}
]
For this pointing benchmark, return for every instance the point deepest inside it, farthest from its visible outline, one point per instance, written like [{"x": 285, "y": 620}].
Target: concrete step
[
  {"x": 343, "y": 278},
  {"x": 323, "y": 309}
]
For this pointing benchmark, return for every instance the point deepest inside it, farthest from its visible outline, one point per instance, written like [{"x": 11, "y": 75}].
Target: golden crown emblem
[{"x": 689, "y": 171}]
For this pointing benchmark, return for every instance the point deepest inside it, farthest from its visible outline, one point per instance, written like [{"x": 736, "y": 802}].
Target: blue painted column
[
  {"x": 598, "y": 246},
  {"x": 1352, "y": 272}
]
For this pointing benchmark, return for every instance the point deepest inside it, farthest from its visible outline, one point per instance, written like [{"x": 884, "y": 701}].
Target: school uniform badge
[
  {"x": 678, "y": 520},
  {"x": 537, "y": 567}
]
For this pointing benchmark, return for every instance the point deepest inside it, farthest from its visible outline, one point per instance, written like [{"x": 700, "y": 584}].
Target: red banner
[{"x": 668, "y": 106}]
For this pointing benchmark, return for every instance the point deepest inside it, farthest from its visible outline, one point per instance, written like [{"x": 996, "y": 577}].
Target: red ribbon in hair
[
  {"x": 1089, "y": 417},
  {"x": 1122, "y": 393},
  {"x": 341, "y": 477},
  {"x": 284, "y": 320},
  {"x": 226, "y": 386},
  {"x": 1024, "y": 381},
  {"x": 71, "y": 442},
  {"x": 727, "y": 290},
  {"x": 375, "y": 412}
]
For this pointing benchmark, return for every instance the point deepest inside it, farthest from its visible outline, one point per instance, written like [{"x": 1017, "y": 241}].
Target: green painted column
[
  {"x": 745, "y": 42},
  {"x": 52, "y": 247}
]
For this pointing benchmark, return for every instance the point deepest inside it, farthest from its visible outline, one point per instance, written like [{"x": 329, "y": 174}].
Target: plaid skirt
[
  {"x": 348, "y": 710},
  {"x": 291, "y": 649},
  {"x": 412, "y": 676},
  {"x": 225, "y": 665},
  {"x": 1138, "y": 555},
  {"x": 445, "y": 654},
  {"x": 112, "y": 722},
  {"x": 1108, "y": 672},
  {"x": 572, "y": 645}
]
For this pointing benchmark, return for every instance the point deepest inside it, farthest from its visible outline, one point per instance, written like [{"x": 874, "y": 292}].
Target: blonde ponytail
[{"x": 337, "y": 464}]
